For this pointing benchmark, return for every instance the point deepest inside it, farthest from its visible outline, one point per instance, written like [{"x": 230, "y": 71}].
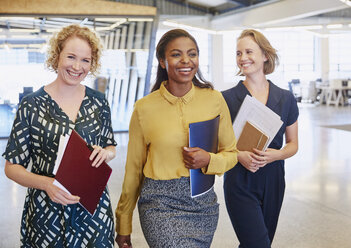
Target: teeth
[
  {"x": 73, "y": 74},
  {"x": 184, "y": 69},
  {"x": 245, "y": 65}
]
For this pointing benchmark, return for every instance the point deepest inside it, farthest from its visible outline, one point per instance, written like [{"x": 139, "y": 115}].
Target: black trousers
[{"x": 253, "y": 202}]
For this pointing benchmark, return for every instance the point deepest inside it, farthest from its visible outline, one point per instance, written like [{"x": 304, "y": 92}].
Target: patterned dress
[{"x": 33, "y": 143}]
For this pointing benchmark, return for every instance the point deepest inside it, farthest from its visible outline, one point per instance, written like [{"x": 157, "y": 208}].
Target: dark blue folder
[{"x": 204, "y": 135}]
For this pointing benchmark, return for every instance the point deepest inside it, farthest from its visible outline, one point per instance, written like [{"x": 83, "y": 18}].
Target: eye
[
  {"x": 238, "y": 53},
  {"x": 193, "y": 55},
  {"x": 175, "y": 55},
  {"x": 86, "y": 60},
  {"x": 70, "y": 56}
]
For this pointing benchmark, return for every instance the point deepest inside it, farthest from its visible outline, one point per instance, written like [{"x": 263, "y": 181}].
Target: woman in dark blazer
[{"x": 254, "y": 188}]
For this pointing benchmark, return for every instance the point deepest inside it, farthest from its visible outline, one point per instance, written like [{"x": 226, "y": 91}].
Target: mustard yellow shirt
[{"x": 158, "y": 131}]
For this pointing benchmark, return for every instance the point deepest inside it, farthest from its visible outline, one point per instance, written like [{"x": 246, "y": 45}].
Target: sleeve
[
  {"x": 293, "y": 111},
  {"x": 226, "y": 157},
  {"x": 133, "y": 178},
  {"x": 107, "y": 138},
  {"x": 18, "y": 147}
]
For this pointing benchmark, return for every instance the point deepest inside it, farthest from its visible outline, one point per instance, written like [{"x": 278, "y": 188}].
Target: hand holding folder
[
  {"x": 77, "y": 176},
  {"x": 260, "y": 117},
  {"x": 204, "y": 135}
]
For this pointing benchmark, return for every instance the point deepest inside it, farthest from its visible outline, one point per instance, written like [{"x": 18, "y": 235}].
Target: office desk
[{"x": 333, "y": 95}]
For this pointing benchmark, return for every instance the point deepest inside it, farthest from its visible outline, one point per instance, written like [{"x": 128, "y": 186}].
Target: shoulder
[
  {"x": 148, "y": 99},
  {"x": 233, "y": 92},
  {"x": 94, "y": 93},
  {"x": 32, "y": 97},
  {"x": 286, "y": 95},
  {"x": 228, "y": 92},
  {"x": 235, "y": 95},
  {"x": 208, "y": 92}
]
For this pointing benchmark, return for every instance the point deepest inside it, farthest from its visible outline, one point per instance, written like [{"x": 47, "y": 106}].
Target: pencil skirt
[{"x": 169, "y": 217}]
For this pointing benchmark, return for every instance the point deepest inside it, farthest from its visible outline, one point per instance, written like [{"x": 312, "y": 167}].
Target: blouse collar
[{"x": 174, "y": 99}]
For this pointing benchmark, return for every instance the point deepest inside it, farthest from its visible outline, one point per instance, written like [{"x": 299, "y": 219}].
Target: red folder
[{"x": 76, "y": 174}]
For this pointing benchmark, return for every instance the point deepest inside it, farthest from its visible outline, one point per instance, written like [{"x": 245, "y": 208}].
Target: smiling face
[
  {"x": 74, "y": 61},
  {"x": 249, "y": 57},
  {"x": 181, "y": 61}
]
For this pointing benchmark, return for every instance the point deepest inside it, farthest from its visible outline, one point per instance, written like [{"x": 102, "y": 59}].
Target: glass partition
[{"x": 123, "y": 75}]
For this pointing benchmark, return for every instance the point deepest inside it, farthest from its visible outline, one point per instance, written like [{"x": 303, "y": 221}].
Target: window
[{"x": 340, "y": 56}]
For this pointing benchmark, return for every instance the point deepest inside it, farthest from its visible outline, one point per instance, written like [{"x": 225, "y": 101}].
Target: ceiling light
[
  {"x": 310, "y": 27},
  {"x": 52, "y": 30},
  {"x": 140, "y": 19},
  {"x": 348, "y": 2},
  {"x": 287, "y": 28},
  {"x": 113, "y": 26},
  {"x": 17, "y": 18},
  {"x": 334, "y": 26},
  {"x": 23, "y": 30},
  {"x": 178, "y": 25},
  {"x": 109, "y": 19},
  {"x": 84, "y": 21}
]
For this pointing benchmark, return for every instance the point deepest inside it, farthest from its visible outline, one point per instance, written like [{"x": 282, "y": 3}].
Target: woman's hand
[
  {"x": 195, "y": 157},
  {"x": 123, "y": 241},
  {"x": 266, "y": 157},
  {"x": 100, "y": 155},
  {"x": 58, "y": 195},
  {"x": 248, "y": 160}
]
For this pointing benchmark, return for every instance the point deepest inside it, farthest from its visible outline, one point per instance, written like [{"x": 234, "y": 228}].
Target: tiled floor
[{"x": 316, "y": 209}]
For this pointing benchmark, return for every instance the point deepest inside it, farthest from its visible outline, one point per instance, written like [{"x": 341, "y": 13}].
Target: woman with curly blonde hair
[{"x": 51, "y": 217}]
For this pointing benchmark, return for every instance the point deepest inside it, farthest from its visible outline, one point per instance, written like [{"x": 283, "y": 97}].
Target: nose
[
  {"x": 76, "y": 65},
  {"x": 243, "y": 56},
  {"x": 185, "y": 59}
]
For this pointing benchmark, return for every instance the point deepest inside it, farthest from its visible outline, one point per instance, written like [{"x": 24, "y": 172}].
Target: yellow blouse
[{"x": 158, "y": 131}]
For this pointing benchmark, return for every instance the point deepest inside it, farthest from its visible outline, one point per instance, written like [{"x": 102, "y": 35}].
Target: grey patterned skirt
[{"x": 169, "y": 217}]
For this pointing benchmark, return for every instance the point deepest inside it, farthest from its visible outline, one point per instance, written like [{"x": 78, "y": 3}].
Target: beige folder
[{"x": 251, "y": 137}]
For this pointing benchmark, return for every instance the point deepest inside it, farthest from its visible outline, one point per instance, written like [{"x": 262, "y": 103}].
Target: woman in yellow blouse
[{"x": 158, "y": 160}]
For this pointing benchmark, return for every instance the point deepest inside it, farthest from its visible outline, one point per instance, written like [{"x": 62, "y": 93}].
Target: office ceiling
[
  {"x": 222, "y": 15},
  {"x": 31, "y": 32},
  {"x": 217, "y": 7},
  {"x": 215, "y": 15}
]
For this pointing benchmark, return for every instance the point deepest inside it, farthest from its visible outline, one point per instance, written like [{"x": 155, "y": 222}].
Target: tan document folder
[{"x": 251, "y": 137}]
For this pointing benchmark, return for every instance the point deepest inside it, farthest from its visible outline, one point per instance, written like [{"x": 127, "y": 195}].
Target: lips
[
  {"x": 73, "y": 74},
  {"x": 245, "y": 65},
  {"x": 185, "y": 69}
]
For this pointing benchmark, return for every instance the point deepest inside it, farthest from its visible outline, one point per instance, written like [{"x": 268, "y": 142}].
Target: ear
[
  {"x": 265, "y": 58},
  {"x": 162, "y": 63}
]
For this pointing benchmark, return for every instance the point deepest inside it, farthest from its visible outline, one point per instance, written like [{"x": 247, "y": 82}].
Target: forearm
[
  {"x": 288, "y": 150},
  {"x": 221, "y": 162},
  {"x": 25, "y": 178}
]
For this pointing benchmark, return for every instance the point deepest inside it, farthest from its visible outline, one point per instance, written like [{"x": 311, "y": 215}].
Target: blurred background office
[{"x": 313, "y": 39}]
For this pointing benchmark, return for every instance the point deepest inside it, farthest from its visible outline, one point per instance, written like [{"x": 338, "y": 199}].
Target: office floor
[{"x": 316, "y": 208}]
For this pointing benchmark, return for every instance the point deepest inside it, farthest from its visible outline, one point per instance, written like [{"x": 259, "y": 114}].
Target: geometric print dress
[{"x": 33, "y": 143}]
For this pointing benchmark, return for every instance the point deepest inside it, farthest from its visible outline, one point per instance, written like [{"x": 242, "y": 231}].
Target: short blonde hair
[
  {"x": 57, "y": 43},
  {"x": 266, "y": 47}
]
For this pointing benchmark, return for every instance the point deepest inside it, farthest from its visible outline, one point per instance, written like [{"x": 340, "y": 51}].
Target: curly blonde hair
[
  {"x": 266, "y": 47},
  {"x": 57, "y": 43}
]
